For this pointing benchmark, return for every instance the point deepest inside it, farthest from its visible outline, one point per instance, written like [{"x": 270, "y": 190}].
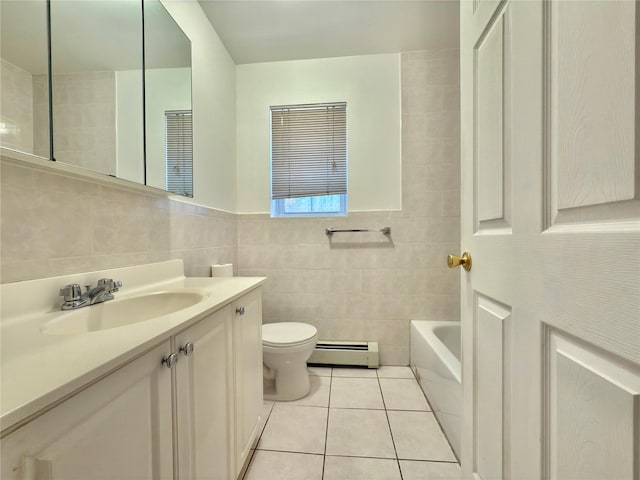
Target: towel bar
[{"x": 384, "y": 230}]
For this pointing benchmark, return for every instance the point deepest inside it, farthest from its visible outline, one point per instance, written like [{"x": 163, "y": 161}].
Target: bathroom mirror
[
  {"x": 168, "y": 117},
  {"x": 24, "y": 92},
  {"x": 96, "y": 50},
  {"x": 97, "y": 88}
]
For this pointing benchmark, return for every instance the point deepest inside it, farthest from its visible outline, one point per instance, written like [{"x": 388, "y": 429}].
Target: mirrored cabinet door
[
  {"x": 96, "y": 51},
  {"x": 24, "y": 88},
  {"x": 168, "y": 114},
  {"x": 102, "y": 86}
]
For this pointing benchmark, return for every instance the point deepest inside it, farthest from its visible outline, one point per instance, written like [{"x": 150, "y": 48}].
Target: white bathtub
[{"x": 435, "y": 359}]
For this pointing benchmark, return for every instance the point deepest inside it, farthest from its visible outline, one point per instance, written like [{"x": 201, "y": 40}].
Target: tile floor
[{"x": 355, "y": 424}]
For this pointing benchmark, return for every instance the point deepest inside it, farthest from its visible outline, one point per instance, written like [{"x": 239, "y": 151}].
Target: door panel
[
  {"x": 492, "y": 179},
  {"x": 591, "y": 112},
  {"x": 592, "y": 88},
  {"x": 592, "y": 107},
  {"x": 593, "y": 400},
  {"x": 589, "y": 286},
  {"x": 482, "y": 12},
  {"x": 492, "y": 357}
]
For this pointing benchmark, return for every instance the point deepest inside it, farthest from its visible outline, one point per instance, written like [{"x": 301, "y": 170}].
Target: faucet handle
[
  {"x": 71, "y": 293},
  {"x": 109, "y": 284}
]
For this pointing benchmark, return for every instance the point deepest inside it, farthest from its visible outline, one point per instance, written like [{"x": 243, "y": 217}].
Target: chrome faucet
[{"x": 75, "y": 298}]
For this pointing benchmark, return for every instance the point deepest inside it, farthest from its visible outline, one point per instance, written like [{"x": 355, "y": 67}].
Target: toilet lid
[{"x": 287, "y": 334}]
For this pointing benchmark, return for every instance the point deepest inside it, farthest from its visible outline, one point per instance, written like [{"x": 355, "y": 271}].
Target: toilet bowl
[{"x": 286, "y": 347}]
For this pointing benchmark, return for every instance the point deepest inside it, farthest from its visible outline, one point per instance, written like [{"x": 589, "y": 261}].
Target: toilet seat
[{"x": 287, "y": 334}]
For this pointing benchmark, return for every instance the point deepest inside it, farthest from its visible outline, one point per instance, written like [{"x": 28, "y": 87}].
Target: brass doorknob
[{"x": 455, "y": 261}]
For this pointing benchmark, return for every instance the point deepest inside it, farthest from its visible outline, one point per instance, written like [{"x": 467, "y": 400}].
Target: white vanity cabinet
[
  {"x": 188, "y": 409},
  {"x": 204, "y": 401},
  {"x": 119, "y": 427},
  {"x": 247, "y": 333}
]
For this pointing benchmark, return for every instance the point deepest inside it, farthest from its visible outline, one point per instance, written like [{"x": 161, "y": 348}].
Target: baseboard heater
[{"x": 363, "y": 354}]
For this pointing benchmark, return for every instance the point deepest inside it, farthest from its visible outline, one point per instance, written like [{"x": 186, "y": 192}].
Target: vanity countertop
[{"x": 39, "y": 370}]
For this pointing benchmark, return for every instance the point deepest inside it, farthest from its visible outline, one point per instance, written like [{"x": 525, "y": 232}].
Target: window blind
[
  {"x": 179, "y": 151},
  {"x": 308, "y": 150}
]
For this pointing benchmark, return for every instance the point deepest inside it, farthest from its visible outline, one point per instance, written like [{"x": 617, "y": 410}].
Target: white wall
[
  {"x": 214, "y": 114},
  {"x": 371, "y": 87}
]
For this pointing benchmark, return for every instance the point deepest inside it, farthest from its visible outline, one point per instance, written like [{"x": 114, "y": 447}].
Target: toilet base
[{"x": 290, "y": 383}]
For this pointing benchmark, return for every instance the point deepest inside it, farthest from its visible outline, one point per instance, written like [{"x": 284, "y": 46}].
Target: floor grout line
[
  {"x": 259, "y": 437},
  {"x": 375, "y": 457},
  {"x": 358, "y": 408},
  {"x": 329, "y": 408},
  {"x": 450, "y": 462},
  {"x": 436, "y": 417},
  {"x": 297, "y": 452},
  {"x": 253, "y": 454},
  {"x": 386, "y": 414},
  {"x": 326, "y": 430}
]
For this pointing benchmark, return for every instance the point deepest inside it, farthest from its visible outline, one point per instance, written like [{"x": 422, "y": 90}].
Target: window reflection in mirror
[
  {"x": 169, "y": 139},
  {"x": 96, "y": 49},
  {"x": 24, "y": 93}
]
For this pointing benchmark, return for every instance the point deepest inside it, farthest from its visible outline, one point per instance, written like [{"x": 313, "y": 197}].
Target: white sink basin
[{"x": 119, "y": 313}]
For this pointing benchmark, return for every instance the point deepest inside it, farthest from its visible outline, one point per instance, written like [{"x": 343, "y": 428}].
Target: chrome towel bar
[{"x": 384, "y": 230}]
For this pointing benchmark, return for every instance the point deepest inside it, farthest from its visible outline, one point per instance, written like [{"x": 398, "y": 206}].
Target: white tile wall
[
  {"x": 41, "y": 116},
  {"x": 16, "y": 107},
  {"x": 364, "y": 287},
  {"x": 54, "y": 225},
  {"x": 84, "y": 112},
  {"x": 354, "y": 287}
]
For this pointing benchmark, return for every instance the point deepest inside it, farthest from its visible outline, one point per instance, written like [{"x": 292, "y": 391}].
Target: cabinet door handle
[
  {"x": 170, "y": 360},
  {"x": 240, "y": 310},
  {"x": 187, "y": 349}
]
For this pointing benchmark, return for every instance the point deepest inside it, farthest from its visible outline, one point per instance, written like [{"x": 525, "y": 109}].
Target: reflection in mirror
[
  {"x": 96, "y": 49},
  {"x": 169, "y": 139},
  {"x": 24, "y": 91}
]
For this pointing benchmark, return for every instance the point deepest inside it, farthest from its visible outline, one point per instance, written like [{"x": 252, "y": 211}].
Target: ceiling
[
  {"x": 106, "y": 34},
  {"x": 267, "y": 30}
]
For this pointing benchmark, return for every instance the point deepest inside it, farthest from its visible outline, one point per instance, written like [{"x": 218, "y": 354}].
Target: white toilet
[{"x": 286, "y": 347}]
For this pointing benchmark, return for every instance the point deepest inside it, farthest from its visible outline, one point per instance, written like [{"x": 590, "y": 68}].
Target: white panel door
[
  {"x": 204, "y": 394},
  {"x": 119, "y": 428},
  {"x": 550, "y": 96}
]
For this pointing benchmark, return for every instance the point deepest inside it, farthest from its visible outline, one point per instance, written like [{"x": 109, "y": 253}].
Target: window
[
  {"x": 179, "y": 151},
  {"x": 309, "y": 160}
]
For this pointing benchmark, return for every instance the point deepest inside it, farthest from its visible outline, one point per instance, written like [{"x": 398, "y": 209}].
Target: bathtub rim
[{"x": 425, "y": 329}]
